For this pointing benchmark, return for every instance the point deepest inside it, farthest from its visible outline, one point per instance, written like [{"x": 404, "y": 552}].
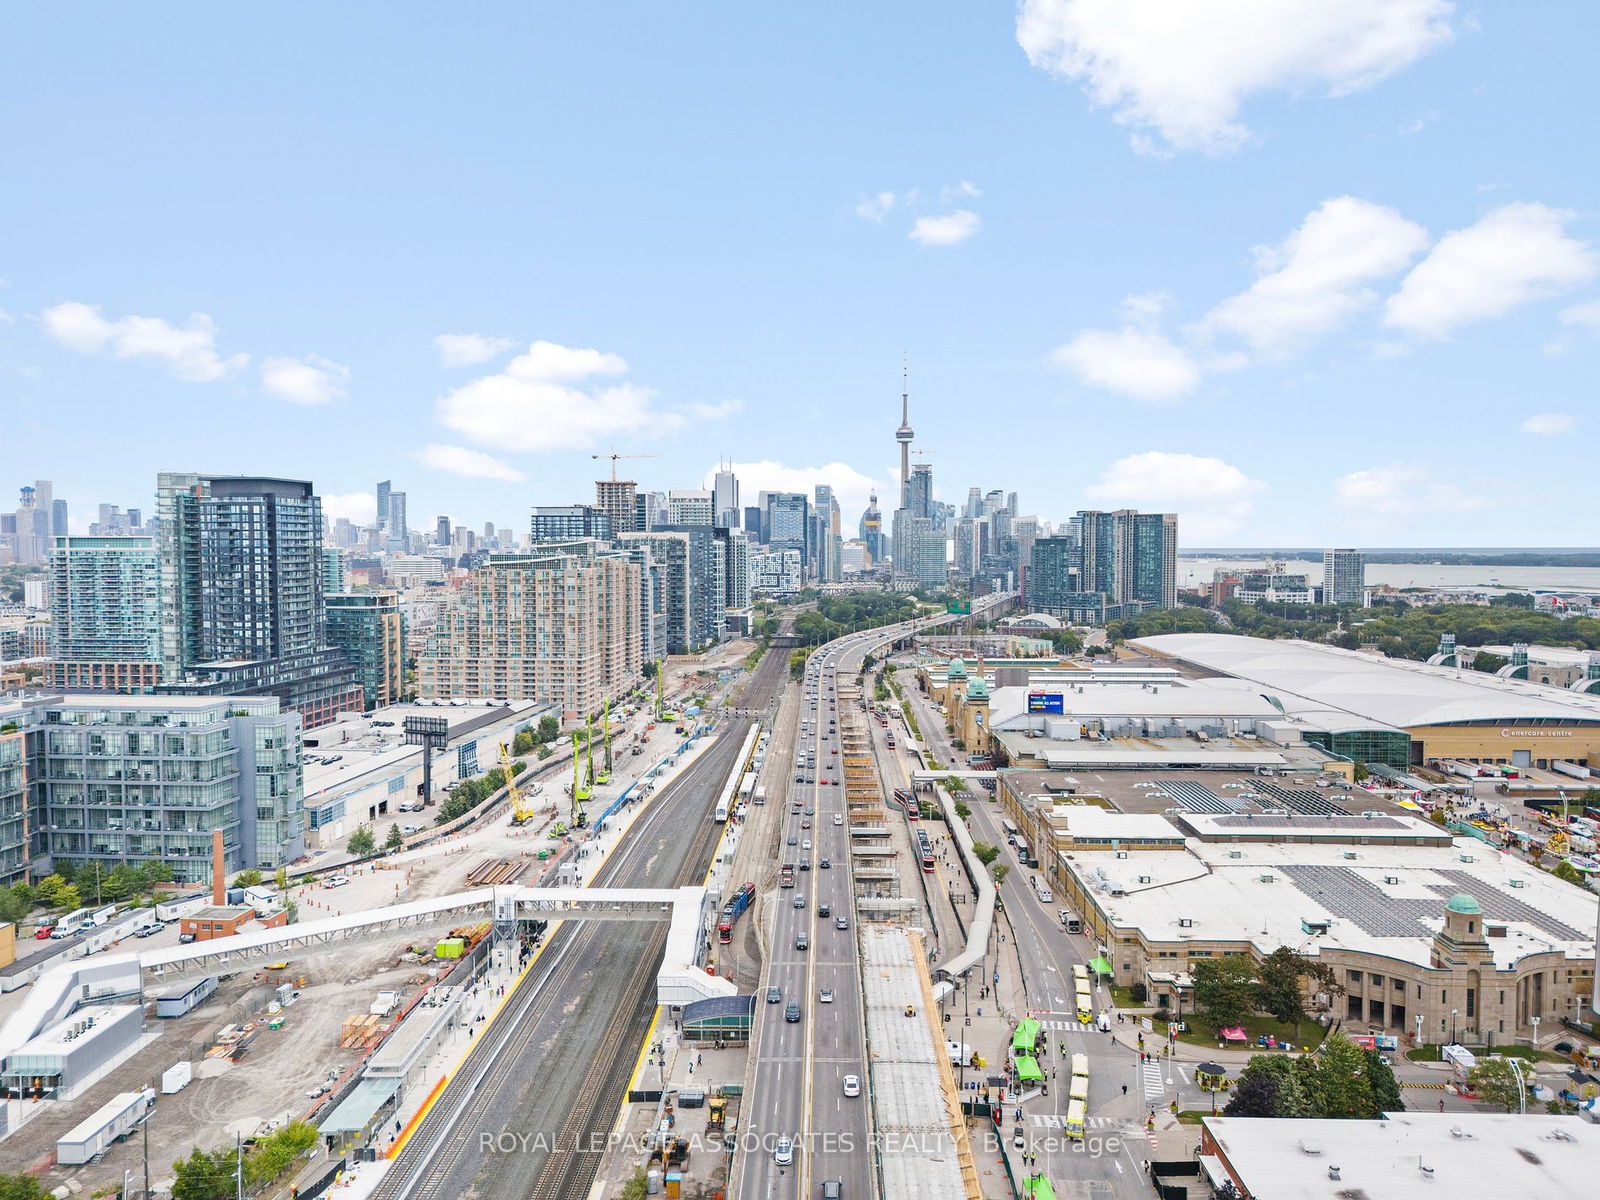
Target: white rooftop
[
  {"x": 1091, "y": 822},
  {"x": 1386, "y": 899},
  {"x": 1394, "y": 692},
  {"x": 1144, "y": 752},
  {"x": 1469, "y": 1156}
]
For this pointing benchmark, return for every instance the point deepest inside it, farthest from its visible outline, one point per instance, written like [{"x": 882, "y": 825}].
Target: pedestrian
[
  {"x": 1124, "y": 1089},
  {"x": 1441, "y": 1103}
]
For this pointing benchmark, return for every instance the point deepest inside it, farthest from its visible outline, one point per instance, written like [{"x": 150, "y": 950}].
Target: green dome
[
  {"x": 1463, "y": 903},
  {"x": 956, "y": 670},
  {"x": 977, "y": 689}
]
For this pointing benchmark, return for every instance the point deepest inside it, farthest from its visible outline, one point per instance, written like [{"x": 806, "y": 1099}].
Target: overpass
[{"x": 680, "y": 978}]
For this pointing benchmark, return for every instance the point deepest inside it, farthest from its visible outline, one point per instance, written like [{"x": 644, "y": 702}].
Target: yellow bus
[
  {"x": 1085, "y": 1004},
  {"x": 1077, "y": 1113},
  {"x": 1080, "y": 1078},
  {"x": 1080, "y": 974}
]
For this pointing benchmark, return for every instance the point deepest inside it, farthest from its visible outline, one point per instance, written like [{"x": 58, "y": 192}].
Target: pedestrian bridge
[{"x": 680, "y": 979}]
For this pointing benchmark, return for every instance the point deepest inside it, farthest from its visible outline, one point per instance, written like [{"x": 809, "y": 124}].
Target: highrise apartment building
[
  {"x": 725, "y": 498},
  {"x": 617, "y": 499},
  {"x": 1344, "y": 577},
  {"x": 1119, "y": 563},
  {"x": 569, "y": 522},
  {"x": 559, "y": 624},
  {"x": 242, "y": 594},
  {"x": 368, "y": 627},
  {"x": 131, "y": 779},
  {"x": 690, "y": 508},
  {"x": 105, "y": 614},
  {"x": 692, "y": 585}
]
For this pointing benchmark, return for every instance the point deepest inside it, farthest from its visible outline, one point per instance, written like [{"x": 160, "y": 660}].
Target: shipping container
[
  {"x": 176, "y": 1077},
  {"x": 185, "y": 998}
]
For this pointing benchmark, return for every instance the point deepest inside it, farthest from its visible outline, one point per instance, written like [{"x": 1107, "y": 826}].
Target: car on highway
[
  {"x": 792, "y": 1013},
  {"x": 838, "y": 818},
  {"x": 793, "y": 840},
  {"x": 806, "y": 845},
  {"x": 852, "y": 1085},
  {"x": 832, "y": 1189},
  {"x": 805, "y": 864},
  {"x": 802, "y": 942},
  {"x": 800, "y": 900},
  {"x": 824, "y": 910},
  {"x": 825, "y": 996},
  {"x": 783, "y": 1152},
  {"x": 825, "y": 863},
  {"x": 841, "y": 922},
  {"x": 805, "y": 823},
  {"x": 774, "y": 994},
  {"x": 810, "y": 812}
]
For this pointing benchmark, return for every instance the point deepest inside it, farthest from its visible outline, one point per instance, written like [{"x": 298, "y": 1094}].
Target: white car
[
  {"x": 333, "y": 881},
  {"x": 837, "y": 819},
  {"x": 783, "y": 1154},
  {"x": 852, "y": 1085},
  {"x": 825, "y": 996}
]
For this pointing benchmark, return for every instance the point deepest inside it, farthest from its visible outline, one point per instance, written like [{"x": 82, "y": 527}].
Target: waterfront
[{"x": 1194, "y": 571}]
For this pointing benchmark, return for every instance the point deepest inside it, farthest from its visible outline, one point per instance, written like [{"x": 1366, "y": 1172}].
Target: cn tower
[{"x": 904, "y": 435}]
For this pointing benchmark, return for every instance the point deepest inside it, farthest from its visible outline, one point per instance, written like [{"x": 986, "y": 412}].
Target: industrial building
[{"x": 1368, "y": 708}]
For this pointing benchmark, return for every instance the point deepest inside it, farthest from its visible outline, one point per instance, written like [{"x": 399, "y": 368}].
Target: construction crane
[
  {"x": 583, "y": 777},
  {"x": 522, "y": 810},
  {"x": 613, "y": 456},
  {"x": 661, "y": 708},
  {"x": 603, "y": 775}
]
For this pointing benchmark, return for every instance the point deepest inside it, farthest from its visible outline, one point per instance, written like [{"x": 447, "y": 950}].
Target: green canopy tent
[
  {"x": 1026, "y": 1037},
  {"x": 1028, "y": 1070},
  {"x": 1100, "y": 966}
]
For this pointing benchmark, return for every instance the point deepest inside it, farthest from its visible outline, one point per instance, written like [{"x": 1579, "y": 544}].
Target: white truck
[{"x": 385, "y": 1003}]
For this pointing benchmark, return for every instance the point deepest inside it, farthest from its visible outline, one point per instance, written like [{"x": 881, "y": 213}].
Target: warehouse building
[{"x": 1369, "y": 708}]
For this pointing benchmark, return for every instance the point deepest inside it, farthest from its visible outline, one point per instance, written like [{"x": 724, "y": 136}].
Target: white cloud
[
  {"x": 875, "y": 208},
  {"x": 948, "y": 229},
  {"x": 1144, "y": 307},
  {"x": 359, "y": 508},
  {"x": 1582, "y": 316},
  {"x": 850, "y": 487},
  {"x": 1184, "y": 68},
  {"x": 1143, "y": 364},
  {"x": 702, "y": 411},
  {"x": 469, "y": 349},
  {"x": 1516, "y": 254},
  {"x": 1419, "y": 124},
  {"x": 1549, "y": 424},
  {"x": 965, "y": 190},
  {"x": 311, "y": 380},
  {"x": 189, "y": 351},
  {"x": 6, "y": 318},
  {"x": 474, "y": 464},
  {"x": 550, "y": 398},
  {"x": 1317, "y": 276},
  {"x": 1212, "y": 498},
  {"x": 1401, "y": 490}
]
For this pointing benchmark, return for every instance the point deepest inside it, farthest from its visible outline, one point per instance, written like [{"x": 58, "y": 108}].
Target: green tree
[
  {"x": 205, "y": 1176},
  {"x": 954, "y": 784},
  {"x": 20, "y": 1187},
  {"x": 361, "y": 842},
  {"x": 962, "y": 811},
  {"x": 1385, "y": 1087},
  {"x": 249, "y": 877},
  {"x": 636, "y": 1188},
  {"x": 1567, "y": 873},
  {"x": 1278, "y": 993},
  {"x": 56, "y": 892},
  {"x": 1269, "y": 1086},
  {"x": 280, "y": 877},
  {"x": 395, "y": 840},
  {"x": 13, "y": 908},
  {"x": 985, "y": 852},
  {"x": 1225, "y": 988},
  {"x": 999, "y": 870},
  {"x": 523, "y": 742},
  {"x": 549, "y": 729},
  {"x": 1340, "y": 1085},
  {"x": 1495, "y": 1082}
]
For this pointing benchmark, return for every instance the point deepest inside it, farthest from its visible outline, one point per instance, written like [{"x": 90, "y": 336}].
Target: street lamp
[
  {"x": 1419, "y": 1029},
  {"x": 1452, "y": 1027},
  {"x": 1535, "y": 1022}
]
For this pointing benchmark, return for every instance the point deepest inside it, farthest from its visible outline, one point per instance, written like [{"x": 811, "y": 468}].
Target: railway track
[{"x": 438, "y": 1154}]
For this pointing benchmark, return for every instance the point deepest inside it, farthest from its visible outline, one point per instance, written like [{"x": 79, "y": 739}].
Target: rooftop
[
  {"x": 1394, "y": 692},
  {"x": 1468, "y": 1156},
  {"x": 1376, "y": 899}
]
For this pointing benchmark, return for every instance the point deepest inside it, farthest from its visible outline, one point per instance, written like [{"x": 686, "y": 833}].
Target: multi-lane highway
[
  {"x": 809, "y": 1077},
  {"x": 553, "y": 1068}
]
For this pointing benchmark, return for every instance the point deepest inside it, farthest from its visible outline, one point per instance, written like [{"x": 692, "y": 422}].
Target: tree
[
  {"x": 637, "y": 1185},
  {"x": 204, "y": 1176},
  {"x": 1278, "y": 993},
  {"x": 361, "y": 842},
  {"x": 249, "y": 878},
  {"x": 999, "y": 870},
  {"x": 523, "y": 742},
  {"x": 985, "y": 852},
  {"x": 1567, "y": 873},
  {"x": 20, "y": 1187},
  {"x": 549, "y": 729},
  {"x": 13, "y": 908},
  {"x": 1385, "y": 1087},
  {"x": 1495, "y": 1082},
  {"x": 56, "y": 892},
  {"x": 1340, "y": 1085},
  {"x": 962, "y": 811},
  {"x": 1267, "y": 1087},
  {"x": 281, "y": 878},
  {"x": 1225, "y": 988},
  {"x": 395, "y": 840}
]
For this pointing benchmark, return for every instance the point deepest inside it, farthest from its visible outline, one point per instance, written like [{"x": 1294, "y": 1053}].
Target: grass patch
[
  {"x": 1308, "y": 1038},
  {"x": 1122, "y": 997},
  {"x": 1193, "y": 1116}
]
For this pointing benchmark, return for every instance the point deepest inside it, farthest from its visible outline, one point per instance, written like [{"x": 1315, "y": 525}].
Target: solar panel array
[
  {"x": 1352, "y": 897},
  {"x": 1305, "y": 800},
  {"x": 1300, "y": 822},
  {"x": 1197, "y": 798}
]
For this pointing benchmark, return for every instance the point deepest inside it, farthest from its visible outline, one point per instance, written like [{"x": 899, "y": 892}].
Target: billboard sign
[
  {"x": 1045, "y": 702},
  {"x": 958, "y": 606}
]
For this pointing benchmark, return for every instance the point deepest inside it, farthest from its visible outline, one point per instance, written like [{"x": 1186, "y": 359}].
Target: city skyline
[{"x": 1224, "y": 353}]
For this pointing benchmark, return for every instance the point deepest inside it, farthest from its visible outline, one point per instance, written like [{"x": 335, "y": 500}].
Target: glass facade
[{"x": 1388, "y": 746}]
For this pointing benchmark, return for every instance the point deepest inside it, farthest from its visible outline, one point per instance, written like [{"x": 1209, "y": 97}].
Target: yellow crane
[{"x": 522, "y": 810}]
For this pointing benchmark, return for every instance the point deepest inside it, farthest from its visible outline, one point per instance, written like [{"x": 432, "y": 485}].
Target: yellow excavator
[{"x": 522, "y": 810}]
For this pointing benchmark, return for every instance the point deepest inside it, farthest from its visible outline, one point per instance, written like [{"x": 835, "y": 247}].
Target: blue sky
[{"x": 1305, "y": 273}]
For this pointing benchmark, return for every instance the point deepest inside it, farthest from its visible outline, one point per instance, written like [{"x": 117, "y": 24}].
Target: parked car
[
  {"x": 335, "y": 881},
  {"x": 44, "y": 931}
]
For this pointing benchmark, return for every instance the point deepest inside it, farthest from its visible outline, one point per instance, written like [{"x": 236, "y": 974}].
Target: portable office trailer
[
  {"x": 112, "y": 1122},
  {"x": 176, "y": 1077},
  {"x": 175, "y": 908},
  {"x": 185, "y": 998}
]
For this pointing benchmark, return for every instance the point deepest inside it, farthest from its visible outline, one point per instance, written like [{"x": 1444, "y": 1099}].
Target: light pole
[
  {"x": 1534, "y": 1020},
  {"x": 1452, "y": 1027},
  {"x": 1419, "y": 1029}
]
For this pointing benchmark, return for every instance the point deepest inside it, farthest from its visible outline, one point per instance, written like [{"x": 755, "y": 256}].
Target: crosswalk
[
  {"x": 1055, "y": 1026},
  {"x": 1057, "y": 1121},
  {"x": 1154, "y": 1085}
]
